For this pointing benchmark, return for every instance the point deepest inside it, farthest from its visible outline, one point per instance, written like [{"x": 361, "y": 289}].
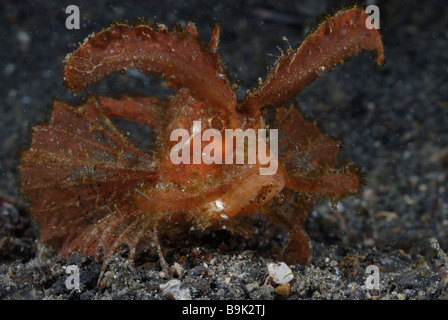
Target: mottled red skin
[{"x": 93, "y": 190}]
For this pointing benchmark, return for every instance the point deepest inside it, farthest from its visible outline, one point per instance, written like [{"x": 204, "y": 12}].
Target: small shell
[{"x": 280, "y": 272}]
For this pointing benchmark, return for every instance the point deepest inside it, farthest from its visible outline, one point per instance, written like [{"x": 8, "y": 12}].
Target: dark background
[{"x": 392, "y": 120}]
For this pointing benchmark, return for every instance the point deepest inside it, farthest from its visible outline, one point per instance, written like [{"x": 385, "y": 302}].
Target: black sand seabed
[{"x": 391, "y": 120}]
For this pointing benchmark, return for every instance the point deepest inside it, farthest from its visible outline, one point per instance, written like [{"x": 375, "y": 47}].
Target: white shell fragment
[
  {"x": 279, "y": 272},
  {"x": 173, "y": 287}
]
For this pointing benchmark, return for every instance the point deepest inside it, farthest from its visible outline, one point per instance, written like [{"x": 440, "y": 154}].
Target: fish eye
[{"x": 217, "y": 123}]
